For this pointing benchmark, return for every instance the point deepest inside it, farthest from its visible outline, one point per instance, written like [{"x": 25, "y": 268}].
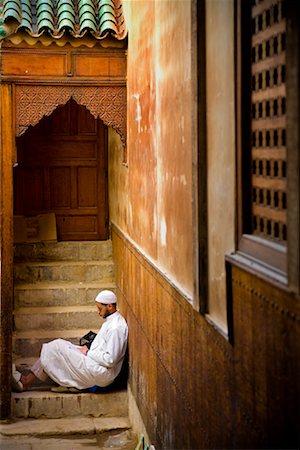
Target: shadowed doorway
[{"x": 62, "y": 168}]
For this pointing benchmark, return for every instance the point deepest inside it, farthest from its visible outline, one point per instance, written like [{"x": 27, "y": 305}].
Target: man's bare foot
[{"x": 27, "y": 380}]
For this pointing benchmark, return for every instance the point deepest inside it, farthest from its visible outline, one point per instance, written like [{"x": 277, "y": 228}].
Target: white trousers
[{"x": 39, "y": 371}]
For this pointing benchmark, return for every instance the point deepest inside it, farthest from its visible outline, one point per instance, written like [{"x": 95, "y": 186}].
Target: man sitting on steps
[{"x": 74, "y": 366}]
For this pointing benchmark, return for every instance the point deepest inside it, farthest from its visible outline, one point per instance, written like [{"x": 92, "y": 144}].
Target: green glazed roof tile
[
  {"x": 63, "y": 14},
  {"x": 56, "y": 17},
  {"x": 107, "y": 16},
  {"x": 107, "y": 25},
  {"x": 25, "y": 24},
  {"x": 66, "y": 5},
  {"x": 45, "y": 12},
  {"x": 85, "y": 2},
  {"x": 40, "y": 3},
  {"x": 90, "y": 3},
  {"x": 41, "y": 6},
  {"x": 12, "y": 9},
  {"x": 12, "y": 13},
  {"x": 106, "y": 8},
  {"x": 12, "y": 2},
  {"x": 11, "y": 6},
  {"x": 87, "y": 24},
  {"x": 65, "y": 23},
  {"x": 26, "y": 10},
  {"x": 44, "y": 17},
  {"x": 45, "y": 24},
  {"x": 87, "y": 16},
  {"x": 83, "y": 9},
  {"x": 26, "y": 17},
  {"x": 61, "y": 3}
]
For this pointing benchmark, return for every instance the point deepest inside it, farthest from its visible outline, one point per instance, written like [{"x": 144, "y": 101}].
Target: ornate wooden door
[{"x": 62, "y": 168}]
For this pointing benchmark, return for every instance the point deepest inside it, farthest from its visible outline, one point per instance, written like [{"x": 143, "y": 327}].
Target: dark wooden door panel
[
  {"x": 62, "y": 169},
  {"x": 60, "y": 187},
  {"x": 61, "y": 148},
  {"x": 78, "y": 227},
  {"x": 87, "y": 186},
  {"x": 33, "y": 179}
]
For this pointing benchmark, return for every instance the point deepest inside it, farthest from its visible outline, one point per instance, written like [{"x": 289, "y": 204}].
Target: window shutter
[{"x": 268, "y": 121}]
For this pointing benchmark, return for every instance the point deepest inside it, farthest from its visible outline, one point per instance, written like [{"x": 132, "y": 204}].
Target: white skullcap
[{"x": 106, "y": 297}]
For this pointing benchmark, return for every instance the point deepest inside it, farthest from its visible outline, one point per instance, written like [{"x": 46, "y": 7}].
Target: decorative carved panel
[{"x": 106, "y": 102}]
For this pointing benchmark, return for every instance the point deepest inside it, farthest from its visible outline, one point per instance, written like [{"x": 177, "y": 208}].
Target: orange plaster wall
[{"x": 156, "y": 212}]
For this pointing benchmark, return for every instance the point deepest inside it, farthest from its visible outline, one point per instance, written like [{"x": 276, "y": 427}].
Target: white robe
[{"x": 67, "y": 366}]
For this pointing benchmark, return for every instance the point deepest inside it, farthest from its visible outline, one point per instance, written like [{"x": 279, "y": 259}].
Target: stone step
[
  {"x": 56, "y": 318},
  {"x": 46, "y": 404},
  {"x": 64, "y": 251},
  {"x": 28, "y": 344},
  {"x": 64, "y": 426},
  {"x": 80, "y": 271},
  {"x": 91, "y": 434},
  {"x": 58, "y": 293}
]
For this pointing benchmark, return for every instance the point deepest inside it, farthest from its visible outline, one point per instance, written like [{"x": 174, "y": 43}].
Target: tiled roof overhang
[{"x": 98, "y": 18}]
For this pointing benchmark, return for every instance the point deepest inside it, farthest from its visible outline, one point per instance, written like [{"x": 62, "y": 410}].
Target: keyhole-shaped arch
[{"x": 32, "y": 103}]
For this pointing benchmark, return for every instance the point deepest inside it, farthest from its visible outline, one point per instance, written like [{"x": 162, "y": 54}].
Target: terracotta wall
[
  {"x": 194, "y": 389},
  {"x": 156, "y": 210}
]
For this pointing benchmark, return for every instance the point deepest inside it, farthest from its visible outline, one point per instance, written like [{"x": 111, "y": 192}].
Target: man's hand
[{"x": 84, "y": 349}]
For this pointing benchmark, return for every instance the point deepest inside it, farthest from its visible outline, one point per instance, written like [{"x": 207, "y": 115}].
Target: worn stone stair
[
  {"x": 64, "y": 251},
  {"x": 76, "y": 433},
  {"x": 55, "y": 289},
  {"x": 76, "y": 271},
  {"x": 58, "y": 293},
  {"x": 39, "y": 404},
  {"x": 56, "y": 317}
]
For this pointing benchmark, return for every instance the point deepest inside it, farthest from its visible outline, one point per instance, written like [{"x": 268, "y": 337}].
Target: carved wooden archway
[{"x": 106, "y": 102}]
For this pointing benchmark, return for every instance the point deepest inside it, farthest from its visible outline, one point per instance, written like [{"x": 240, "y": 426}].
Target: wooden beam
[
  {"x": 202, "y": 162},
  {"x": 293, "y": 142},
  {"x": 6, "y": 250}
]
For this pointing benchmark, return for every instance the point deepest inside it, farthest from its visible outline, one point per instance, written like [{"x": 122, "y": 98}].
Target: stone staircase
[
  {"x": 55, "y": 288},
  {"x": 55, "y": 285}
]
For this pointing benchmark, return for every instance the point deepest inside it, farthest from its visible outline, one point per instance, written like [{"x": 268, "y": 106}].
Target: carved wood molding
[{"x": 106, "y": 102}]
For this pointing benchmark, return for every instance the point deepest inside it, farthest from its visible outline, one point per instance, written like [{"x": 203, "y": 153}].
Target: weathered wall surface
[{"x": 156, "y": 211}]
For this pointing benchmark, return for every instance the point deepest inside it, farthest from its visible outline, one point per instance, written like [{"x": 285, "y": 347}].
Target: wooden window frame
[
  {"x": 202, "y": 160},
  {"x": 264, "y": 257}
]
